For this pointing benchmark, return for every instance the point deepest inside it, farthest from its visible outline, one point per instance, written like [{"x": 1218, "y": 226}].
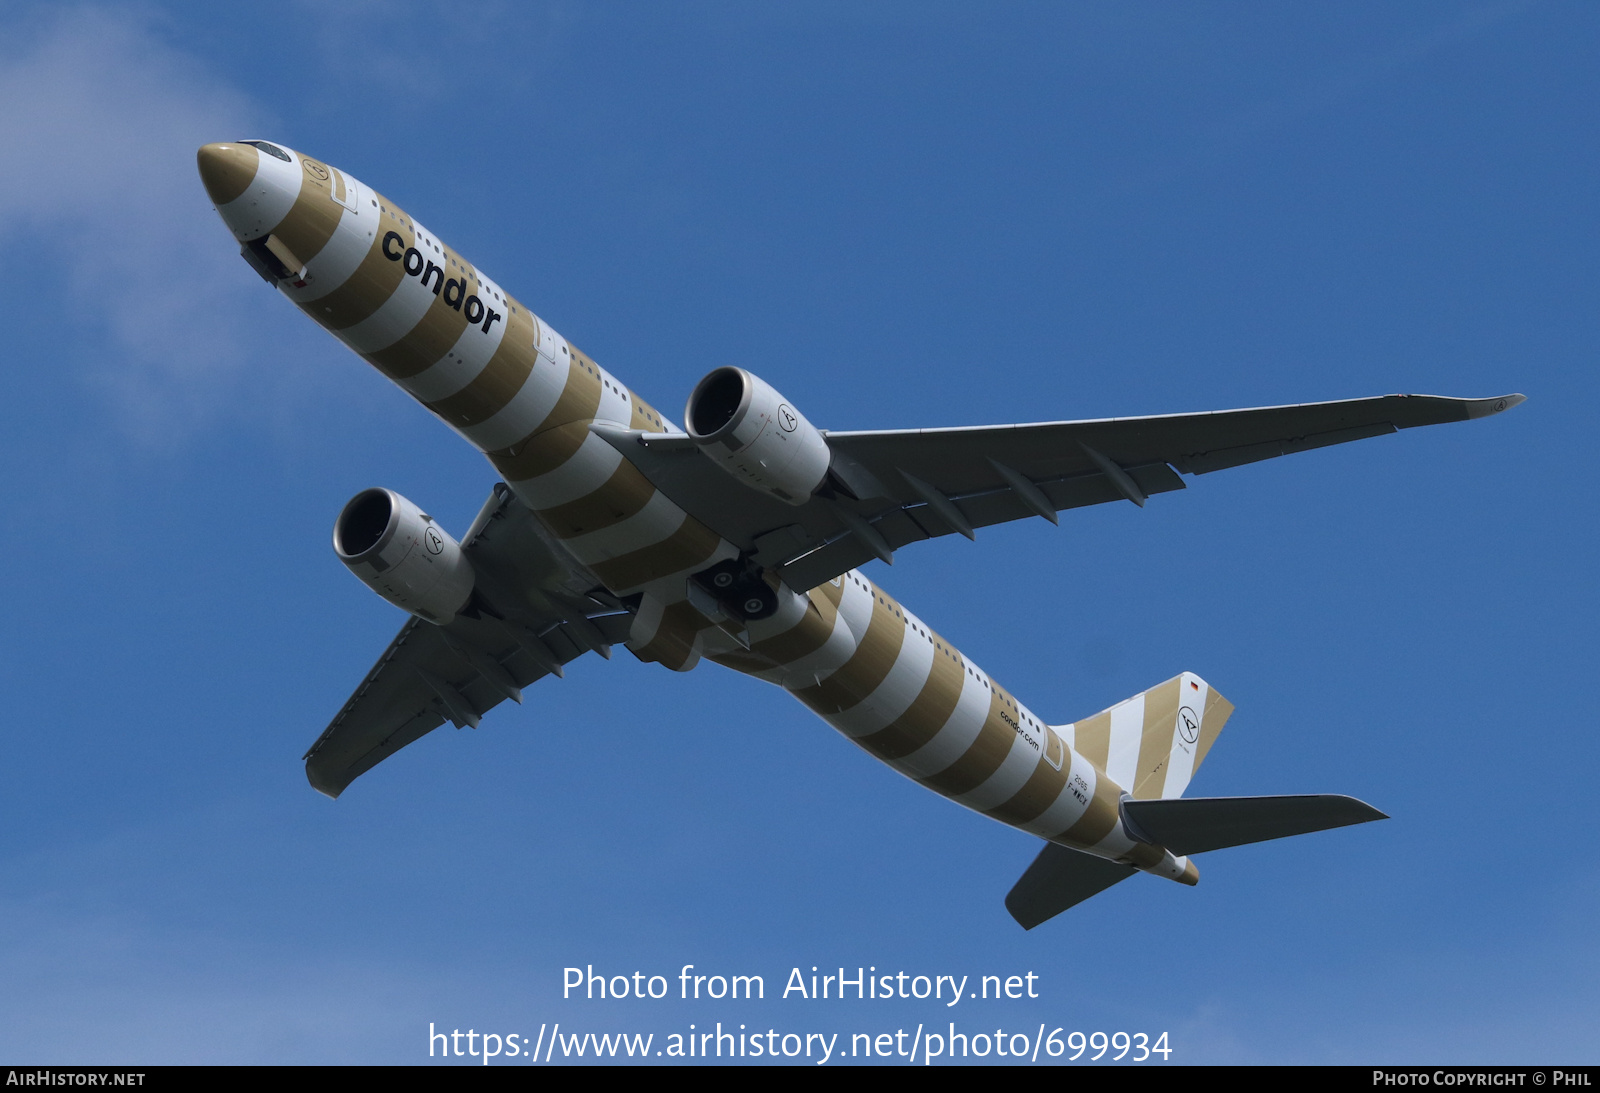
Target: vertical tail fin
[{"x": 1152, "y": 743}]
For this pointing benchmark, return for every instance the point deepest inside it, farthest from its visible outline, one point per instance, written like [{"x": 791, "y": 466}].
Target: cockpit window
[{"x": 270, "y": 149}]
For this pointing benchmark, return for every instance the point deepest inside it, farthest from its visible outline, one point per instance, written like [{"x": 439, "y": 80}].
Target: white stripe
[
  {"x": 527, "y": 409},
  {"x": 339, "y": 257},
  {"x": 395, "y": 317},
  {"x": 1180, "y": 764},
  {"x": 856, "y": 608},
  {"x": 895, "y": 694},
  {"x": 840, "y": 646},
  {"x": 463, "y": 363},
  {"x": 1127, "y": 730},
  {"x": 792, "y": 611},
  {"x": 613, "y": 406},
  {"x": 585, "y": 471},
  {"x": 492, "y": 295},
  {"x": 952, "y": 741},
  {"x": 1067, "y": 809},
  {"x": 1115, "y": 845},
  {"x": 646, "y": 621},
  {"x": 267, "y": 200},
  {"x": 860, "y": 617},
  {"x": 808, "y": 670},
  {"x": 1014, "y": 771},
  {"x": 656, "y": 521}
]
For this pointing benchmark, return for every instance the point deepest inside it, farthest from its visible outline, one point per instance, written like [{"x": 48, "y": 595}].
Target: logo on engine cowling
[
  {"x": 433, "y": 541},
  {"x": 787, "y": 421}
]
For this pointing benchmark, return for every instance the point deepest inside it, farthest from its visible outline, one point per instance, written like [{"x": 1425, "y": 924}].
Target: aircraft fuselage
[{"x": 519, "y": 392}]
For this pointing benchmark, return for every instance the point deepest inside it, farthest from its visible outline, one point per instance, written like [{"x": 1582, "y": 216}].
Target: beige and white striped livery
[{"x": 573, "y": 445}]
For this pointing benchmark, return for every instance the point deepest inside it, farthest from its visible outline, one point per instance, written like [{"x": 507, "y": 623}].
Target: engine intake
[
  {"x": 756, "y": 435},
  {"x": 401, "y": 554}
]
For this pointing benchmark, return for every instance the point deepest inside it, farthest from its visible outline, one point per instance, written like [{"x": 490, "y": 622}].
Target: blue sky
[{"x": 900, "y": 215}]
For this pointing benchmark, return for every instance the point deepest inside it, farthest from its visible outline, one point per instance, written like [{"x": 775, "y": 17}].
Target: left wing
[
  {"x": 887, "y": 489},
  {"x": 433, "y": 674}
]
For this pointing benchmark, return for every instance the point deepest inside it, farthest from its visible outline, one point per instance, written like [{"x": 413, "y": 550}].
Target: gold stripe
[
  {"x": 925, "y": 716},
  {"x": 373, "y": 282},
  {"x": 558, "y": 437},
  {"x": 311, "y": 221},
  {"x": 1038, "y": 793},
  {"x": 1155, "y": 743},
  {"x": 644, "y": 418},
  {"x": 1160, "y": 716},
  {"x": 688, "y": 547},
  {"x": 1097, "y": 820},
  {"x": 1093, "y": 739},
  {"x": 623, "y": 494},
  {"x": 867, "y": 667},
  {"x": 1145, "y": 856},
  {"x": 742, "y": 662},
  {"x": 541, "y": 453},
  {"x": 1217, "y": 712},
  {"x": 492, "y": 388},
  {"x": 804, "y": 637},
  {"x": 434, "y": 335},
  {"x": 832, "y": 591},
  {"x": 583, "y": 360},
  {"x": 981, "y": 759}
]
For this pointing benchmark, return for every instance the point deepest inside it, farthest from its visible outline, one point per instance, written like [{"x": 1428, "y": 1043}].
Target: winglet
[{"x": 1484, "y": 407}]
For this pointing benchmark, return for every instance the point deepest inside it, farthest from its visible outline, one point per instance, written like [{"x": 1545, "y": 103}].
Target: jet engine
[
  {"x": 401, "y": 554},
  {"x": 757, "y": 436}
]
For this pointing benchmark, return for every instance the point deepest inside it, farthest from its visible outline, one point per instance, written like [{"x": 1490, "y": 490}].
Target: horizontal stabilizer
[
  {"x": 1198, "y": 824},
  {"x": 1058, "y": 879}
]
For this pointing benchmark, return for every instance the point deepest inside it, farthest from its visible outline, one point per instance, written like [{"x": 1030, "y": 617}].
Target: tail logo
[{"x": 1190, "y": 730}]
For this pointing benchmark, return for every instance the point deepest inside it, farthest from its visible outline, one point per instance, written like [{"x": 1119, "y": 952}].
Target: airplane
[{"x": 737, "y": 539}]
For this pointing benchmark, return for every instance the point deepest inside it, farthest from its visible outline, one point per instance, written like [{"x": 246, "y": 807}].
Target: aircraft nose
[{"x": 227, "y": 170}]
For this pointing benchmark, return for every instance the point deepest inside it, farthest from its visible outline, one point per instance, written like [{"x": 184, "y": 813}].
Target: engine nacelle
[
  {"x": 756, "y": 435},
  {"x": 402, "y": 555}
]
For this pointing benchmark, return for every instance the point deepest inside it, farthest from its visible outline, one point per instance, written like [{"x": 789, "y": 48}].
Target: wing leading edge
[{"x": 890, "y": 488}]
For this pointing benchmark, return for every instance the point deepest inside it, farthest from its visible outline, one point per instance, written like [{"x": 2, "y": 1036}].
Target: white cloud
[{"x": 98, "y": 181}]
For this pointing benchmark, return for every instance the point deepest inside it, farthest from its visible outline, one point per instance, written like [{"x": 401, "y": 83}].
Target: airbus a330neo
[{"x": 736, "y": 539}]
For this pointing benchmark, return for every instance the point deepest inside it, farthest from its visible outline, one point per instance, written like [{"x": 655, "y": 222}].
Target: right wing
[
  {"x": 889, "y": 488},
  {"x": 433, "y": 674}
]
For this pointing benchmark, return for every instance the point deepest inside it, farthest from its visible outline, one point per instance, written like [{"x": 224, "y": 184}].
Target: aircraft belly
[
  {"x": 875, "y": 673},
  {"x": 907, "y": 678},
  {"x": 447, "y": 355},
  {"x": 950, "y": 741},
  {"x": 1006, "y": 781}
]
